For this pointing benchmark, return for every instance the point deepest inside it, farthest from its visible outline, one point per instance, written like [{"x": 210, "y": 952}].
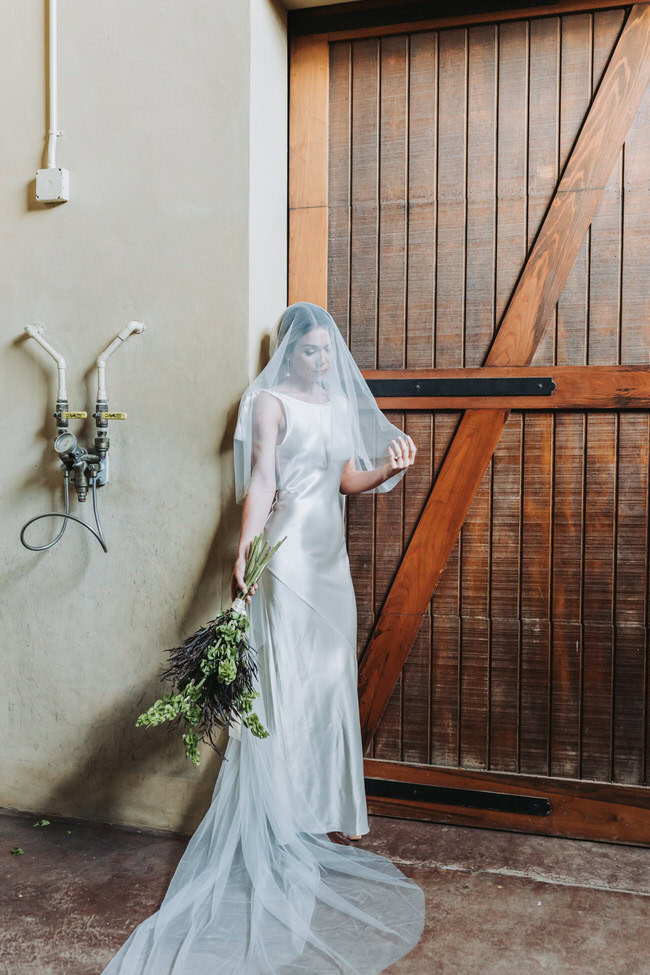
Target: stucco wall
[{"x": 155, "y": 101}]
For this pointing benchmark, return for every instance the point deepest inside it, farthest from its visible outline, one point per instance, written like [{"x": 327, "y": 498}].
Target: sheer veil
[
  {"x": 357, "y": 424},
  {"x": 260, "y": 888}
]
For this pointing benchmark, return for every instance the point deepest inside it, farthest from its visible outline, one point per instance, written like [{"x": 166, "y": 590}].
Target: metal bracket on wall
[{"x": 506, "y": 386}]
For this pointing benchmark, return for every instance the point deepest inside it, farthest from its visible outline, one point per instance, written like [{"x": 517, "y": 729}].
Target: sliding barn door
[{"x": 520, "y": 699}]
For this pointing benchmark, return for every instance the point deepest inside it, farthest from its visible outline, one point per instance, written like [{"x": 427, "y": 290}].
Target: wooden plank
[
  {"x": 505, "y": 606},
  {"x": 416, "y": 673},
  {"x": 391, "y": 329},
  {"x": 479, "y": 244},
  {"x": 597, "y": 700},
  {"x": 631, "y": 570},
  {"x": 364, "y": 168},
  {"x": 536, "y": 549},
  {"x": 481, "y": 193},
  {"x": 416, "y": 683},
  {"x": 600, "y": 518},
  {"x": 446, "y": 630},
  {"x": 568, "y": 518},
  {"x": 629, "y": 704},
  {"x": 339, "y": 154},
  {"x": 445, "y": 637},
  {"x": 512, "y": 154},
  {"x": 365, "y": 203},
  {"x": 536, "y": 542},
  {"x": 450, "y": 244},
  {"x": 510, "y": 252},
  {"x": 504, "y": 694},
  {"x": 393, "y": 156},
  {"x": 577, "y": 388},
  {"x": 539, "y": 288},
  {"x": 422, "y": 203},
  {"x": 566, "y": 701},
  {"x": 388, "y": 547},
  {"x": 579, "y": 809},
  {"x": 308, "y": 274},
  {"x": 575, "y": 96},
  {"x": 543, "y": 145},
  {"x": 606, "y": 228},
  {"x": 308, "y": 153},
  {"x": 475, "y": 676},
  {"x": 635, "y": 294},
  {"x": 534, "y": 724},
  {"x": 570, "y": 347}
]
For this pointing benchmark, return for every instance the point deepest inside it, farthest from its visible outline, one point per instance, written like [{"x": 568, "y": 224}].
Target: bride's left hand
[{"x": 402, "y": 453}]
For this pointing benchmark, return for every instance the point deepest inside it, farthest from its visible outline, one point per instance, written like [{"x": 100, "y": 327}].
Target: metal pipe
[
  {"x": 35, "y": 331},
  {"x": 129, "y": 329}
]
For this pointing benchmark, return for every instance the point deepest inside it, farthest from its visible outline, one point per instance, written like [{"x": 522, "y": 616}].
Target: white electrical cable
[{"x": 53, "y": 131}]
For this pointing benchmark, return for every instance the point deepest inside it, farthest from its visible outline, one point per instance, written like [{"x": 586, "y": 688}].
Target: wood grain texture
[
  {"x": 501, "y": 676},
  {"x": 540, "y": 286},
  {"x": 339, "y": 204},
  {"x": 422, "y": 208},
  {"x": 543, "y": 118},
  {"x": 582, "y": 183},
  {"x": 308, "y": 171},
  {"x": 579, "y": 809}
]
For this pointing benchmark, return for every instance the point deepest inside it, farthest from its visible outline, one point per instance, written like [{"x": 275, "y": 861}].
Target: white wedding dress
[{"x": 261, "y": 889}]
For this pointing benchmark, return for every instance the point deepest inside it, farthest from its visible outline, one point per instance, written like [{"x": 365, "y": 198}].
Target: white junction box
[{"x": 52, "y": 185}]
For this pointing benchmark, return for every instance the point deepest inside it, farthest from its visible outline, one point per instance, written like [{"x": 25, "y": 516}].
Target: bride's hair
[{"x": 304, "y": 316}]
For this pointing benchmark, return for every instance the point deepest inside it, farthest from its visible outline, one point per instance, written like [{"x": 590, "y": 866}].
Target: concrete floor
[{"x": 497, "y": 902}]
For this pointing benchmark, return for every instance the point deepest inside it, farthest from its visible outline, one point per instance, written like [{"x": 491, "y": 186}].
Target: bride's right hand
[{"x": 237, "y": 583}]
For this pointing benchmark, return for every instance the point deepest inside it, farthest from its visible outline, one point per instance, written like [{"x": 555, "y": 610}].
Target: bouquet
[{"x": 213, "y": 671}]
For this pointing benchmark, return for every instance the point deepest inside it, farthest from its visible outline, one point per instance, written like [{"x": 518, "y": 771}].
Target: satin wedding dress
[{"x": 261, "y": 889}]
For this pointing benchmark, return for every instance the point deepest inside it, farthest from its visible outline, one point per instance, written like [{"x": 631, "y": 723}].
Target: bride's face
[{"x": 311, "y": 355}]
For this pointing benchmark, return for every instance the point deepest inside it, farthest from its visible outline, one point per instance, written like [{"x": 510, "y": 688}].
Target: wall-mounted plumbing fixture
[
  {"x": 86, "y": 468},
  {"x": 52, "y": 183}
]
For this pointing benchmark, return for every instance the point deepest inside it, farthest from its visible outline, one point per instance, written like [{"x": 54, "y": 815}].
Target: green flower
[
  {"x": 253, "y": 723},
  {"x": 227, "y": 671},
  {"x": 192, "y": 747}
]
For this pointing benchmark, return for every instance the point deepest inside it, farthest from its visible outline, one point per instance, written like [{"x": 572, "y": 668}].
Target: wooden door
[{"x": 504, "y": 675}]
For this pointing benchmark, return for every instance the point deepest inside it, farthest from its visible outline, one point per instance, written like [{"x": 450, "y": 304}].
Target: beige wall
[{"x": 170, "y": 221}]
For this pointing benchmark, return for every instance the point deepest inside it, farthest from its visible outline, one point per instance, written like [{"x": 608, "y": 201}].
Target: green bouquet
[{"x": 213, "y": 671}]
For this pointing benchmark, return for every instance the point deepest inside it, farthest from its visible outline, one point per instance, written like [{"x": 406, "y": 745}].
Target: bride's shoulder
[
  {"x": 268, "y": 398},
  {"x": 268, "y": 408}
]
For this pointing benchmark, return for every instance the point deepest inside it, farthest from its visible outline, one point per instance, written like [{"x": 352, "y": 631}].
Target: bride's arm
[
  {"x": 402, "y": 454},
  {"x": 268, "y": 418}
]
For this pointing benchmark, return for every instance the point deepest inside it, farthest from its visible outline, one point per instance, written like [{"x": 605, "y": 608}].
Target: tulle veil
[{"x": 355, "y": 412}]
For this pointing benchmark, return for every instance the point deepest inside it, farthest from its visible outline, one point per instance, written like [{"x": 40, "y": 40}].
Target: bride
[{"x": 270, "y": 884}]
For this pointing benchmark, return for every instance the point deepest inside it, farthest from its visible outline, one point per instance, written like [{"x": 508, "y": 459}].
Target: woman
[{"x": 261, "y": 888}]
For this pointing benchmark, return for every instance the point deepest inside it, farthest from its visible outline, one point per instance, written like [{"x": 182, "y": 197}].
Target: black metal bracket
[
  {"x": 469, "y": 798},
  {"x": 506, "y": 386}
]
